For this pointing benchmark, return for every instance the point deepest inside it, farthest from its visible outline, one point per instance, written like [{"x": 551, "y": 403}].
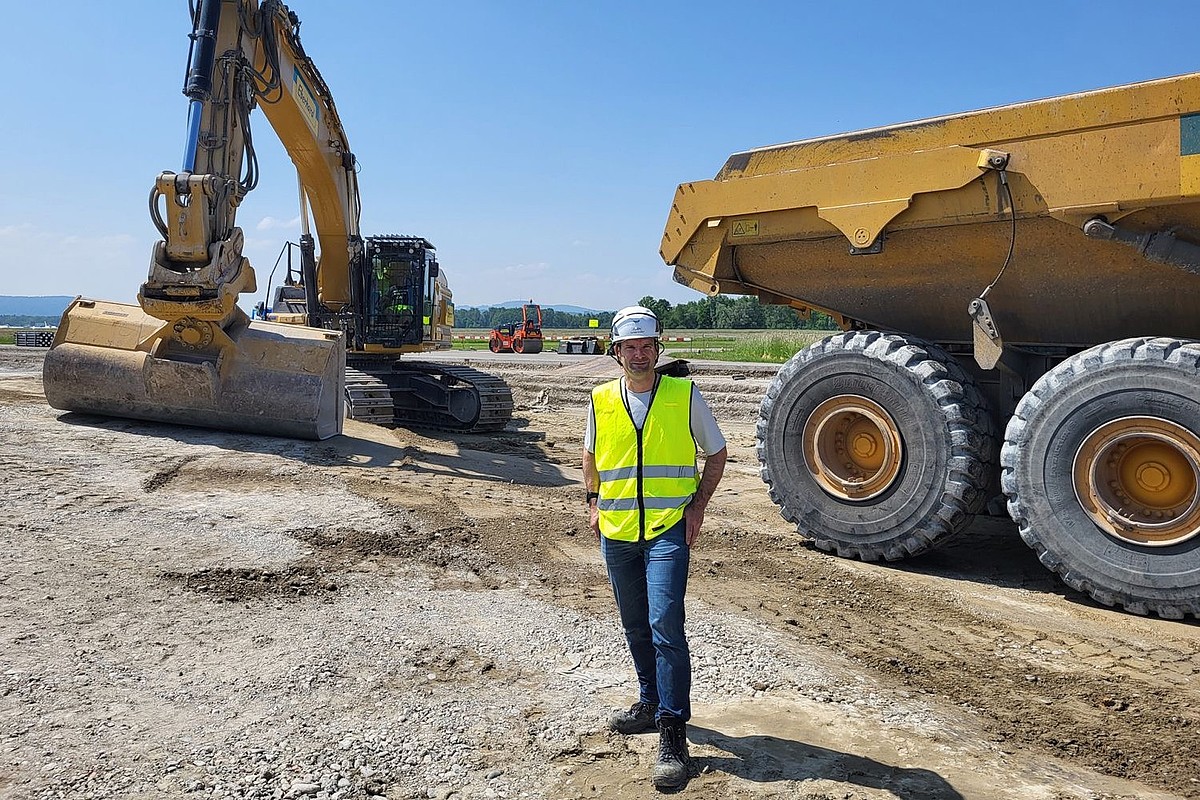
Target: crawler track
[{"x": 421, "y": 394}]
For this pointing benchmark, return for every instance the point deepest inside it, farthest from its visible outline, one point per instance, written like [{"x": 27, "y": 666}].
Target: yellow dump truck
[{"x": 1018, "y": 291}]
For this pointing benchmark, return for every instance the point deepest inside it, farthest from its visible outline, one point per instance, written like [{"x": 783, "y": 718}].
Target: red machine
[{"x": 524, "y": 337}]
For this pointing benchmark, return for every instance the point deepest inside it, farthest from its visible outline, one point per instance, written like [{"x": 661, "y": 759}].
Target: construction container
[{"x": 41, "y": 338}]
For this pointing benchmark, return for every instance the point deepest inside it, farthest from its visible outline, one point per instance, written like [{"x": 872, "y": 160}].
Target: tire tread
[
  {"x": 972, "y": 431},
  {"x": 1185, "y": 354}
]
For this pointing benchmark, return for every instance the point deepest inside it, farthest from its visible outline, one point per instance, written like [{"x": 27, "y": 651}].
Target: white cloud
[
  {"x": 10, "y": 231},
  {"x": 269, "y": 223},
  {"x": 523, "y": 271}
]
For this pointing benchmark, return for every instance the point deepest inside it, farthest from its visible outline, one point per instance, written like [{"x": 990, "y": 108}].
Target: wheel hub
[
  {"x": 852, "y": 447},
  {"x": 1138, "y": 479}
]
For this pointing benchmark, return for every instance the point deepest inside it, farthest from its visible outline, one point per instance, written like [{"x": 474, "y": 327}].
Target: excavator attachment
[{"x": 260, "y": 377}]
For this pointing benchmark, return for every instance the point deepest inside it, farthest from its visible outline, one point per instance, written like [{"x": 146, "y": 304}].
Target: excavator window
[{"x": 396, "y": 300}]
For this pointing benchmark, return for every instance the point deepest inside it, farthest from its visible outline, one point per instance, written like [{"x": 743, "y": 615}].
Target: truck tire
[
  {"x": 1101, "y": 467},
  {"x": 876, "y": 445}
]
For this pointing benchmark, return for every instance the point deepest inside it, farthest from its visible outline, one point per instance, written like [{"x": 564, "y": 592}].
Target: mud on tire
[
  {"x": 1132, "y": 378},
  {"x": 946, "y": 435}
]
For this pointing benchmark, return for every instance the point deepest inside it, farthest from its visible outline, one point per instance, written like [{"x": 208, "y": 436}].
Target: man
[
  {"x": 646, "y": 506},
  {"x": 393, "y": 295}
]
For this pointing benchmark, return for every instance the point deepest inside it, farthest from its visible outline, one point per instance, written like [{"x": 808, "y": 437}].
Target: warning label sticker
[{"x": 745, "y": 227}]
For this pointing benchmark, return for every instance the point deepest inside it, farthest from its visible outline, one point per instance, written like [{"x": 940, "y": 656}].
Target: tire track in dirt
[
  {"x": 1109, "y": 703},
  {"x": 1029, "y": 689}
]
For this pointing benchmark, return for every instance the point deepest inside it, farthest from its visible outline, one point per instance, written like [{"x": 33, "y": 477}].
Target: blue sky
[{"x": 537, "y": 145}]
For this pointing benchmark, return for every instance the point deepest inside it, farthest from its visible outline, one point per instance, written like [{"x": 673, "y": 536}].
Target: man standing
[{"x": 646, "y": 506}]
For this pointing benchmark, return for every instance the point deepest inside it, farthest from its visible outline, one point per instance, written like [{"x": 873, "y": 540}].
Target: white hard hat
[{"x": 635, "y": 322}]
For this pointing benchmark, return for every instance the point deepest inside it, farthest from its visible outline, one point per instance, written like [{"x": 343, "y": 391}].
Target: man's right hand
[{"x": 594, "y": 519}]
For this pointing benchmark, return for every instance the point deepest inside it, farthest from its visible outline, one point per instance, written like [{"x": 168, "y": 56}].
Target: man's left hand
[{"x": 693, "y": 518}]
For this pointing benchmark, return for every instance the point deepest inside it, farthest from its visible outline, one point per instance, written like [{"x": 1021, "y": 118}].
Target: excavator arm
[
  {"x": 245, "y": 54},
  {"x": 189, "y": 354}
]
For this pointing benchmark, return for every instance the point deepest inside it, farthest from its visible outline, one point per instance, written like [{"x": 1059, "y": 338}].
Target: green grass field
[
  {"x": 761, "y": 346},
  {"x": 766, "y": 347}
]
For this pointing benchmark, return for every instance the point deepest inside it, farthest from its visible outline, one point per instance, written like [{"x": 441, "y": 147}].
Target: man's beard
[{"x": 639, "y": 371}]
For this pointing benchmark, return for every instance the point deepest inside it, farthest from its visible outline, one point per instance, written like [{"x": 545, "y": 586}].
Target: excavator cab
[
  {"x": 399, "y": 287},
  {"x": 397, "y": 295}
]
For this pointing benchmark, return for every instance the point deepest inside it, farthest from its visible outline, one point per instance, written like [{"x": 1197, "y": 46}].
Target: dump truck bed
[
  {"x": 900, "y": 227},
  {"x": 1017, "y": 288}
]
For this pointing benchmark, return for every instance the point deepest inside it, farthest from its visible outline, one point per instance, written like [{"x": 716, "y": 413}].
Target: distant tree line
[
  {"x": 28, "y": 320},
  {"x": 744, "y": 313},
  {"x": 493, "y": 316},
  {"x": 740, "y": 313}
]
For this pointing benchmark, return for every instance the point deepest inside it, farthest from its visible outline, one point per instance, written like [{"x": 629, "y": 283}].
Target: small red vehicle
[{"x": 523, "y": 337}]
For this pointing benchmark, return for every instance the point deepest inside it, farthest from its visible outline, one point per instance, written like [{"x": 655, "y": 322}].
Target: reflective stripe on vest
[{"x": 646, "y": 477}]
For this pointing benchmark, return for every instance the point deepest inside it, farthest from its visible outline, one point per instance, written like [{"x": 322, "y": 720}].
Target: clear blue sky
[{"x": 538, "y": 145}]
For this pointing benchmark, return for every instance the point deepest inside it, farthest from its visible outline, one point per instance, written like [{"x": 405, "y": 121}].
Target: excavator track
[{"x": 423, "y": 394}]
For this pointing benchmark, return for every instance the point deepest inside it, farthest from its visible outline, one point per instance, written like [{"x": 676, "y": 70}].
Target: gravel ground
[{"x": 188, "y": 613}]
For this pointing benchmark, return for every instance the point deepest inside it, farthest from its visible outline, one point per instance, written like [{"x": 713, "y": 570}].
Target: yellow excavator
[{"x": 330, "y": 346}]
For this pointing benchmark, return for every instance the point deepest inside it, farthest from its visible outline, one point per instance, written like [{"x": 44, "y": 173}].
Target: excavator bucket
[{"x": 274, "y": 379}]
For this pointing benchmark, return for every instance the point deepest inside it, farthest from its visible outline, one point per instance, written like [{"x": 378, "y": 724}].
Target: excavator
[{"x": 332, "y": 341}]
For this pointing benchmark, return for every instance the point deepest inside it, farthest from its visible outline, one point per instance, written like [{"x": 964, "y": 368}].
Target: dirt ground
[{"x": 191, "y": 613}]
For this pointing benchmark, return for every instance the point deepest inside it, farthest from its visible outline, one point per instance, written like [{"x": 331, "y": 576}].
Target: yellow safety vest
[{"x": 647, "y": 477}]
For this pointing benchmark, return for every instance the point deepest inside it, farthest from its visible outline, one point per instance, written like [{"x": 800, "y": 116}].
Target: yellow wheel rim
[
  {"x": 1137, "y": 478},
  {"x": 852, "y": 447}
]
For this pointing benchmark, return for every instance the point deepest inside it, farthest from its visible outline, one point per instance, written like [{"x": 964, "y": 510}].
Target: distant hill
[
  {"x": 43, "y": 306},
  {"x": 555, "y": 306}
]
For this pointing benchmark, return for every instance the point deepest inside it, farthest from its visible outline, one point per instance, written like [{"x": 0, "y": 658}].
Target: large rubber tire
[
  {"x": 946, "y": 432},
  {"x": 1112, "y": 382},
  {"x": 495, "y": 345}
]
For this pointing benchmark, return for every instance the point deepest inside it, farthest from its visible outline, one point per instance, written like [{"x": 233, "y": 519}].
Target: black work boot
[
  {"x": 638, "y": 719},
  {"x": 671, "y": 771}
]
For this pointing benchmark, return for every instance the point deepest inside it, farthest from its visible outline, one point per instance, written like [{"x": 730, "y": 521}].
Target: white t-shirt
[{"x": 704, "y": 426}]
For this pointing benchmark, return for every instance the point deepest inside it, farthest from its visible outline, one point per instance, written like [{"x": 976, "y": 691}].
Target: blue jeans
[{"x": 649, "y": 580}]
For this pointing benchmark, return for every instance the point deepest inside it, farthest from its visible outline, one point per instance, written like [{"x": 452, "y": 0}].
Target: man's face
[{"x": 638, "y": 356}]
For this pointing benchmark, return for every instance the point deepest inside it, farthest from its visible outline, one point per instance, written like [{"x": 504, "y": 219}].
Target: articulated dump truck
[{"x": 1019, "y": 295}]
